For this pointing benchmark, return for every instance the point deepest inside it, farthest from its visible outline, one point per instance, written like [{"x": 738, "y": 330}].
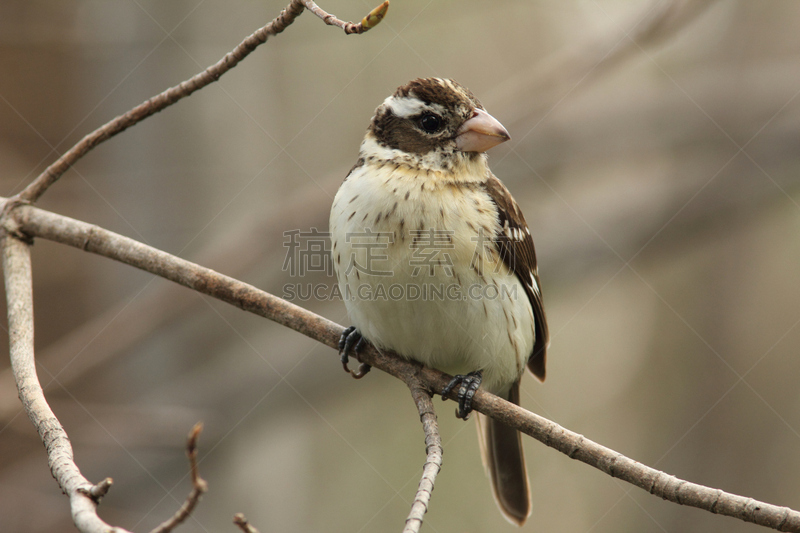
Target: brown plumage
[{"x": 520, "y": 256}]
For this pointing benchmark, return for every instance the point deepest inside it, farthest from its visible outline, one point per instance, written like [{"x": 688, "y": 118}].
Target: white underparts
[{"x": 415, "y": 229}]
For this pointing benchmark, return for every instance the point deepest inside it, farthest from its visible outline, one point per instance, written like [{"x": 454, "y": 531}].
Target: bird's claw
[
  {"x": 469, "y": 384},
  {"x": 349, "y": 343}
]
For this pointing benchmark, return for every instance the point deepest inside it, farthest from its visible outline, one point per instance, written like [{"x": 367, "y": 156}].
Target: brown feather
[
  {"x": 432, "y": 90},
  {"x": 501, "y": 449},
  {"x": 519, "y": 256}
]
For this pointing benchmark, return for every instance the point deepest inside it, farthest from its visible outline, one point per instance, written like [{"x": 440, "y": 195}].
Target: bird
[{"x": 435, "y": 262}]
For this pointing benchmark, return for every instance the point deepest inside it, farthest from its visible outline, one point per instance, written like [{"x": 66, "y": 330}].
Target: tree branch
[
  {"x": 32, "y": 192},
  {"x": 83, "y": 495},
  {"x": 101, "y": 489},
  {"x": 433, "y": 452},
  {"x": 199, "y": 485},
  {"x": 35, "y": 222},
  {"x": 19, "y": 297},
  {"x": 242, "y": 523},
  {"x": 236, "y": 252},
  {"x": 371, "y": 20}
]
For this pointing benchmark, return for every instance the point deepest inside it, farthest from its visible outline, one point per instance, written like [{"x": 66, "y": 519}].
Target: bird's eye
[{"x": 430, "y": 123}]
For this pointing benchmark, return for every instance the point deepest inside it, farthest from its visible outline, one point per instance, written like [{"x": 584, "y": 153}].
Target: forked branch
[
  {"x": 21, "y": 221},
  {"x": 35, "y": 222},
  {"x": 83, "y": 495}
]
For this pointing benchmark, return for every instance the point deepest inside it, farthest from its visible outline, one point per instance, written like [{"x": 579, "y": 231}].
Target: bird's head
[{"x": 432, "y": 123}]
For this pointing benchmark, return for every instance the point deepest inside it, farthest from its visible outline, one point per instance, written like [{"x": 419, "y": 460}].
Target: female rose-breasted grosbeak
[{"x": 435, "y": 261}]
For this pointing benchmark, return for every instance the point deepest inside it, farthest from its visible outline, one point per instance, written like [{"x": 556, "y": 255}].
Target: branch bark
[
  {"x": 83, "y": 495},
  {"x": 199, "y": 485},
  {"x": 34, "y": 222},
  {"x": 433, "y": 453},
  {"x": 19, "y": 296}
]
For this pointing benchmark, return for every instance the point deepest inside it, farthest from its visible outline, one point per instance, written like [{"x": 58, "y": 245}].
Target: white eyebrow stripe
[
  {"x": 407, "y": 106},
  {"x": 404, "y": 106}
]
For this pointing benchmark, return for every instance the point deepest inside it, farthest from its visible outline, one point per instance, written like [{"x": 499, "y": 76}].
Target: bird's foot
[
  {"x": 469, "y": 384},
  {"x": 349, "y": 344}
]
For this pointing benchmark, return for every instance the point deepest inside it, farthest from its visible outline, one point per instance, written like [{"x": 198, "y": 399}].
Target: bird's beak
[{"x": 480, "y": 132}]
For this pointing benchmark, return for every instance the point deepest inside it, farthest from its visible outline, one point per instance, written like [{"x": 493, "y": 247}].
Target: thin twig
[
  {"x": 155, "y": 104},
  {"x": 19, "y": 297},
  {"x": 243, "y": 524},
  {"x": 100, "y": 489},
  {"x": 433, "y": 459},
  {"x": 372, "y": 19},
  {"x": 38, "y": 223},
  {"x": 32, "y": 192},
  {"x": 199, "y": 485}
]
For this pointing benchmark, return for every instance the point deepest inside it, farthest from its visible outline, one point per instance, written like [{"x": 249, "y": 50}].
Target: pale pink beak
[{"x": 480, "y": 132}]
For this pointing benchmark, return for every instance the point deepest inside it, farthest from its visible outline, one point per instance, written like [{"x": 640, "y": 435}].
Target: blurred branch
[
  {"x": 243, "y": 524},
  {"x": 433, "y": 452},
  {"x": 564, "y": 72},
  {"x": 35, "y": 222},
  {"x": 32, "y": 192},
  {"x": 199, "y": 485},
  {"x": 19, "y": 296},
  {"x": 372, "y": 19}
]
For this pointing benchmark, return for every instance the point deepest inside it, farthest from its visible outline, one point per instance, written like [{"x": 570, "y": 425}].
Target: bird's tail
[{"x": 501, "y": 448}]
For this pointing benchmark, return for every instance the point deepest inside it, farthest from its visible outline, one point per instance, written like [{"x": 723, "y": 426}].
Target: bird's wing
[{"x": 515, "y": 245}]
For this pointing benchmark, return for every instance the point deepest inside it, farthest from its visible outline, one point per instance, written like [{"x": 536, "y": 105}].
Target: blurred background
[{"x": 655, "y": 153}]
